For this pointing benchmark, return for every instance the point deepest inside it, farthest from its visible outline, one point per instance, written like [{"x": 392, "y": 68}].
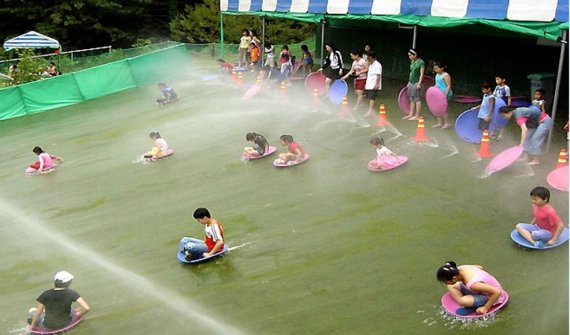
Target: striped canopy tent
[
  {"x": 541, "y": 18},
  {"x": 31, "y": 40},
  {"x": 546, "y": 19}
]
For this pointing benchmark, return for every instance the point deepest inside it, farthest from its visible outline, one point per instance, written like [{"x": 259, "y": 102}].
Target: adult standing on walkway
[
  {"x": 373, "y": 82},
  {"x": 332, "y": 68},
  {"x": 358, "y": 71},
  {"x": 417, "y": 70}
]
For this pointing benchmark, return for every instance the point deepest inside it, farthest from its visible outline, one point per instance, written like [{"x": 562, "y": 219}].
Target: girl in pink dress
[
  {"x": 44, "y": 162},
  {"x": 385, "y": 158},
  {"x": 472, "y": 287}
]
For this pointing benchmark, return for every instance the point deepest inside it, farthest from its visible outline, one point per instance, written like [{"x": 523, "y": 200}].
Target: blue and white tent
[
  {"x": 541, "y": 18},
  {"x": 31, "y": 40},
  {"x": 514, "y": 10}
]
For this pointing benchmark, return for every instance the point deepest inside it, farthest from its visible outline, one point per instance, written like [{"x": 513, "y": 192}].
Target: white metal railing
[{"x": 60, "y": 53}]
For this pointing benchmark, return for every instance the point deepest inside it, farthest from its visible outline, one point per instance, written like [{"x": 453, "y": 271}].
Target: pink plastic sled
[
  {"x": 251, "y": 92},
  {"x": 270, "y": 151},
  {"x": 279, "y": 163},
  {"x": 504, "y": 159},
  {"x": 450, "y": 306},
  {"x": 436, "y": 101},
  {"x": 558, "y": 178},
  {"x": 388, "y": 163},
  {"x": 315, "y": 80},
  {"x": 404, "y": 101}
]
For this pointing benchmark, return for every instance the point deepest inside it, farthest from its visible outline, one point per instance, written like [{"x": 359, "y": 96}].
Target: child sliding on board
[
  {"x": 160, "y": 148},
  {"x": 471, "y": 287},
  {"x": 260, "y": 146},
  {"x": 44, "y": 163},
  {"x": 295, "y": 153},
  {"x": 385, "y": 158},
  {"x": 546, "y": 225},
  {"x": 168, "y": 94}
]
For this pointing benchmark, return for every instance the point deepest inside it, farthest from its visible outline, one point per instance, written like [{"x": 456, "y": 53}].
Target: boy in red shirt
[
  {"x": 546, "y": 226},
  {"x": 213, "y": 240}
]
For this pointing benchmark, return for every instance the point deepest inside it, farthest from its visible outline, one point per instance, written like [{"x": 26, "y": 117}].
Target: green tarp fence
[{"x": 68, "y": 89}]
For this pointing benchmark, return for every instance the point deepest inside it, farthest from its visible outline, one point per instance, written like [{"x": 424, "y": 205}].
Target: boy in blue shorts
[
  {"x": 486, "y": 107},
  {"x": 503, "y": 91}
]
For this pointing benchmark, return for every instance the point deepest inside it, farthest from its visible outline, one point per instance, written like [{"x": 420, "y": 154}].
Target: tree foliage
[
  {"x": 29, "y": 68},
  {"x": 88, "y": 23},
  {"x": 91, "y": 23},
  {"x": 200, "y": 23}
]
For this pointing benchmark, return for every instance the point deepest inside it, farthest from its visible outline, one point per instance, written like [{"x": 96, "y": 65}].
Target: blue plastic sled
[
  {"x": 467, "y": 124},
  {"x": 337, "y": 91},
  {"x": 518, "y": 239},
  {"x": 203, "y": 259}
]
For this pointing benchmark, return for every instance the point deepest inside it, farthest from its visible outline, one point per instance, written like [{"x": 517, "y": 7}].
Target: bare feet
[
  {"x": 407, "y": 117},
  {"x": 533, "y": 162},
  {"x": 413, "y": 118},
  {"x": 367, "y": 114},
  {"x": 436, "y": 126},
  {"x": 446, "y": 126}
]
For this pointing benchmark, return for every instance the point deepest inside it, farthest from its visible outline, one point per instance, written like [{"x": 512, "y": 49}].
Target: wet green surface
[{"x": 334, "y": 249}]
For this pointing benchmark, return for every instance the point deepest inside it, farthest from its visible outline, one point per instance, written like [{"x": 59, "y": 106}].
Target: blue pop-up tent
[
  {"x": 31, "y": 40},
  {"x": 546, "y": 19}
]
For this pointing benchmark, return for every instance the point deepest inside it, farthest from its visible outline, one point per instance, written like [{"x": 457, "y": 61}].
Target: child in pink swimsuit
[
  {"x": 472, "y": 287},
  {"x": 385, "y": 158},
  {"x": 44, "y": 162}
]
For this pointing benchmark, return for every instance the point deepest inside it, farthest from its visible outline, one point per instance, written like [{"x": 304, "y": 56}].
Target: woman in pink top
[
  {"x": 295, "y": 153},
  {"x": 44, "y": 162},
  {"x": 546, "y": 225},
  {"x": 472, "y": 287}
]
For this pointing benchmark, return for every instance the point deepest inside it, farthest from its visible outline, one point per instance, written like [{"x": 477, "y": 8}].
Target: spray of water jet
[{"x": 183, "y": 307}]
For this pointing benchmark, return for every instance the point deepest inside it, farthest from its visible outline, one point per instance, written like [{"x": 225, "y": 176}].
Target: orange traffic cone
[
  {"x": 344, "y": 107},
  {"x": 316, "y": 100},
  {"x": 283, "y": 89},
  {"x": 234, "y": 75},
  {"x": 485, "y": 147},
  {"x": 421, "y": 132},
  {"x": 562, "y": 158},
  {"x": 258, "y": 80},
  {"x": 382, "y": 120},
  {"x": 239, "y": 79}
]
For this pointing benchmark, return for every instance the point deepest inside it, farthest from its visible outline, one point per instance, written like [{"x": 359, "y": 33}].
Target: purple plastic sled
[
  {"x": 337, "y": 91},
  {"x": 404, "y": 101},
  {"x": 467, "y": 124},
  {"x": 467, "y": 99},
  {"x": 42, "y": 331}
]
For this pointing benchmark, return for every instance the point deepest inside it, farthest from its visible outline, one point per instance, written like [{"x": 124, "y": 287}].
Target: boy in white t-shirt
[{"x": 373, "y": 81}]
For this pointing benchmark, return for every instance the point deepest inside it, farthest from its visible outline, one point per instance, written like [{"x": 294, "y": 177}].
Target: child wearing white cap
[{"x": 54, "y": 310}]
